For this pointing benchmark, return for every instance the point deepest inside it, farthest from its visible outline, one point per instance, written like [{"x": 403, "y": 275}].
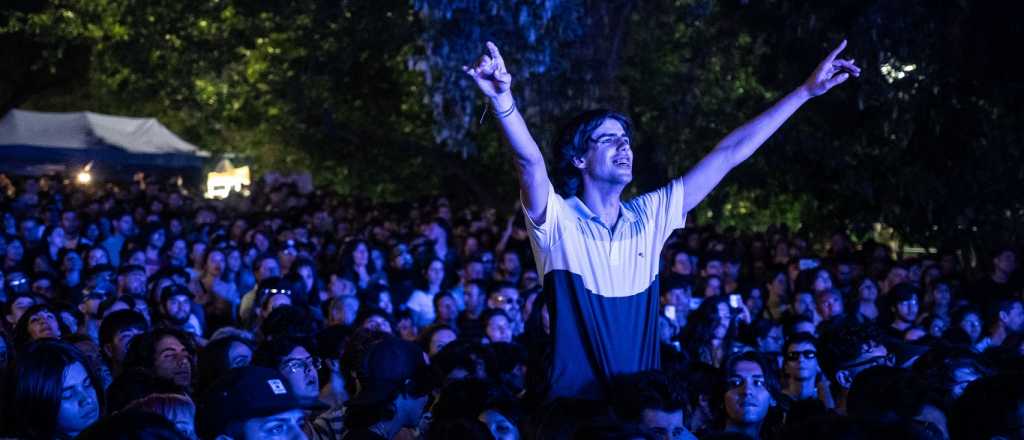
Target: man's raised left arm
[{"x": 742, "y": 142}]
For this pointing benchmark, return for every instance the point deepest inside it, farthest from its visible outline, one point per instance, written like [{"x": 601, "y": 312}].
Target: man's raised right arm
[{"x": 495, "y": 82}]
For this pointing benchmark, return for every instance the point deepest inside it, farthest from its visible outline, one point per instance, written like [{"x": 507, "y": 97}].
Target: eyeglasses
[
  {"x": 884, "y": 360},
  {"x": 272, "y": 292},
  {"x": 605, "y": 140},
  {"x": 806, "y": 354},
  {"x": 303, "y": 365}
]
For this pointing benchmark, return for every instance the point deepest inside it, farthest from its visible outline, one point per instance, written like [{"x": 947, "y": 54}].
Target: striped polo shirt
[{"x": 601, "y": 282}]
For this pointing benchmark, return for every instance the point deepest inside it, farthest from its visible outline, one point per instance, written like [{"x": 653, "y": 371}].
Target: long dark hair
[
  {"x": 21, "y": 333},
  {"x": 214, "y": 359},
  {"x": 572, "y": 142},
  {"x": 34, "y": 386},
  {"x": 700, "y": 329}
]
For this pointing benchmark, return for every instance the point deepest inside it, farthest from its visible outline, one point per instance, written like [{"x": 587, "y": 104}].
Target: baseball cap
[
  {"x": 390, "y": 365},
  {"x": 242, "y": 394},
  {"x": 174, "y": 289}
]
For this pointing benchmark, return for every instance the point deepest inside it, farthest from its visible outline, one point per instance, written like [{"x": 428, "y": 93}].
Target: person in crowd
[
  {"x": 802, "y": 377},
  {"x": 497, "y": 326},
  {"x": 469, "y": 321},
  {"x": 38, "y": 322},
  {"x": 250, "y": 403},
  {"x": 116, "y": 331},
  {"x": 265, "y": 266},
  {"x": 220, "y": 356},
  {"x": 848, "y": 350},
  {"x": 50, "y": 393},
  {"x": 421, "y": 302},
  {"x": 1007, "y": 318},
  {"x": 749, "y": 390},
  {"x": 176, "y": 408},
  {"x": 393, "y": 385},
  {"x": 433, "y": 338},
  {"x": 293, "y": 358},
  {"x": 904, "y": 311},
  {"x": 131, "y": 280},
  {"x": 166, "y": 352},
  {"x": 447, "y": 312},
  {"x": 654, "y": 402},
  {"x": 123, "y": 229},
  {"x": 176, "y": 310}
]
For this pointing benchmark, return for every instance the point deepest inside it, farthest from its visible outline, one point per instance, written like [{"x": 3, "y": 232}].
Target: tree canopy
[{"x": 370, "y": 95}]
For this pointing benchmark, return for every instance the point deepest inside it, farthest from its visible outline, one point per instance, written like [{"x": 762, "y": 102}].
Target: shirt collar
[{"x": 584, "y": 212}]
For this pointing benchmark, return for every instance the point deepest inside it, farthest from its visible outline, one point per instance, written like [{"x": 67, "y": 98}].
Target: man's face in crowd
[
  {"x": 300, "y": 369},
  {"x": 772, "y": 343},
  {"x": 801, "y": 361},
  {"x": 177, "y": 308},
  {"x": 505, "y": 298},
  {"x": 474, "y": 297},
  {"x": 681, "y": 265},
  {"x": 830, "y": 304},
  {"x": 283, "y": 426},
  {"x": 118, "y": 347},
  {"x": 133, "y": 283},
  {"x": 906, "y": 310},
  {"x": 747, "y": 399},
  {"x": 609, "y": 157},
  {"x": 173, "y": 361},
  {"x": 125, "y": 225},
  {"x": 1014, "y": 319},
  {"x": 446, "y": 309},
  {"x": 499, "y": 329},
  {"x": 713, "y": 267},
  {"x": 664, "y": 425}
]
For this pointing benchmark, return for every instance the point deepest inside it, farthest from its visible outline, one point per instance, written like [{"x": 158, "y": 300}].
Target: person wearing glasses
[
  {"x": 806, "y": 389},
  {"x": 598, "y": 255},
  {"x": 292, "y": 358},
  {"x": 848, "y": 350}
]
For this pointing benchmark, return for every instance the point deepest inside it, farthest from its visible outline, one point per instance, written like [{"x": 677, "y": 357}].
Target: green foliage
[{"x": 370, "y": 95}]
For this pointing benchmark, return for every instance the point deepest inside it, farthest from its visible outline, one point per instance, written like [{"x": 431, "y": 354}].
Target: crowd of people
[{"x": 143, "y": 310}]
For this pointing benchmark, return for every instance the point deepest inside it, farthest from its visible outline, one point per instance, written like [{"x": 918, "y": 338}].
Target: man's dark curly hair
[{"x": 572, "y": 142}]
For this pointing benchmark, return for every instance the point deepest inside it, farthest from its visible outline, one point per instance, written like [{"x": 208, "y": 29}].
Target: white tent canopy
[{"x": 116, "y": 141}]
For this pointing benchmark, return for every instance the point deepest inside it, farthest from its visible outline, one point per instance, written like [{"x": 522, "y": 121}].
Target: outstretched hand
[
  {"x": 831, "y": 72},
  {"x": 490, "y": 73}
]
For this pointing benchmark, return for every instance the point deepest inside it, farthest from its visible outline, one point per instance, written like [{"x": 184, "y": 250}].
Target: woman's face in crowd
[
  {"x": 801, "y": 361},
  {"x": 43, "y": 325},
  {"x": 682, "y": 265},
  {"x": 308, "y": 277},
  {"x": 747, "y": 399},
  {"x": 435, "y": 273},
  {"x": 215, "y": 263},
  {"x": 972, "y": 325},
  {"x": 724, "y": 316},
  {"x": 440, "y": 339},
  {"x": 803, "y": 304},
  {"x": 299, "y": 368},
  {"x": 179, "y": 252},
  {"x": 361, "y": 255},
  {"x": 499, "y": 329},
  {"x": 79, "y": 406}
]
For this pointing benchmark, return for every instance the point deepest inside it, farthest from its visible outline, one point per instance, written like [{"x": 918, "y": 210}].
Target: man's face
[
  {"x": 300, "y": 368},
  {"x": 682, "y": 265},
  {"x": 609, "y": 157},
  {"x": 713, "y": 267},
  {"x": 177, "y": 308},
  {"x": 133, "y": 283},
  {"x": 1014, "y": 319},
  {"x": 474, "y": 297},
  {"x": 173, "y": 361},
  {"x": 906, "y": 310},
  {"x": 499, "y": 329},
  {"x": 283, "y": 426},
  {"x": 119, "y": 345},
  {"x": 747, "y": 399},
  {"x": 125, "y": 225},
  {"x": 664, "y": 425},
  {"x": 829, "y": 305},
  {"x": 505, "y": 298}
]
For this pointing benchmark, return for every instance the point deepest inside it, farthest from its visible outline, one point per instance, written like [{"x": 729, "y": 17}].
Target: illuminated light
[
  {"x": 892, "y": 71},
  {"x": 84, "y": 178},
  {"x": 226, "y": 179}
]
